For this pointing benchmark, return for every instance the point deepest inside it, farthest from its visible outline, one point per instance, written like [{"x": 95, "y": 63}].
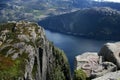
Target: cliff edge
[
  {"x": 104, "y": 65},
  {"x": 26, "y": 54}
]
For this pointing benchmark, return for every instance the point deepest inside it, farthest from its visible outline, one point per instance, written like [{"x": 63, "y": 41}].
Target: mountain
[
  {"x": 113, "y": 5},
  {"x": 26, "y": 54},
  {"x": 35, "y": 10},
  {"x": 97, "y": 23}
]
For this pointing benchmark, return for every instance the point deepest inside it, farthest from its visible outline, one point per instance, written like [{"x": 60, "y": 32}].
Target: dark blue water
[{"x": 74, "y": 46}]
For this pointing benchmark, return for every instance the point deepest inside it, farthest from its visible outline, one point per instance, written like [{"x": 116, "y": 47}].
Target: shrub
[{"x": 79, "y": 75}]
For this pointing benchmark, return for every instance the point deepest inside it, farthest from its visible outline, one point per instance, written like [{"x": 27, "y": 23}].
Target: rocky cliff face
[
  {"x": 93, "y": 65},
  {"x": 26, "y": 54},
  {"x": 110, "y": 76},
  {"x": 111, "y": 52},
  {"x": 104, "y": 65}
]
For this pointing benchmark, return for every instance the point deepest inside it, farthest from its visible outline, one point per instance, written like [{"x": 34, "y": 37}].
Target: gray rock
[
  {"x": 87, "y": 61},
  {"x": 110, "y": 76},
  {"x": 92, "y": 64},
  {"x": 111, "y": 53},
  {"x": 24, "y": 37},
  {"x": 103, "y": 68},
  {"x": 35, "y": 57},
  {"x": 15, "y": 56}
]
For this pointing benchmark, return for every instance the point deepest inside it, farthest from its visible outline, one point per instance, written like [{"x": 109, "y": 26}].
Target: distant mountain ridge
[
  {"x": 35, "y": 10},
  {"x": 96, "y": 23}
]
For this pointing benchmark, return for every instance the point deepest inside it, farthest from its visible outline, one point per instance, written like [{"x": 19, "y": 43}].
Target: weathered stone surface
[
  {"x": 103, "y": 68},
  {"x": 111, "y": 53},
  {"x": 87, "y": 61},
  {"x": 92, "y": 64},
  {"x": 24, "y": 47},
  {"x": 110, "y": 76},
  {"x": 86, "y": 58}
]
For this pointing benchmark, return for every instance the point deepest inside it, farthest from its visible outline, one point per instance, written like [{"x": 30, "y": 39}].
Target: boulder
[
  {"x": 92, "y": 64},
  {"x": 111, "y": 53},
  {"x": 110, "y": 76},
  {"x": 87, "y": 62},
  {"x": 85, "y": 58},
  {"x": 103, "y": 68}
]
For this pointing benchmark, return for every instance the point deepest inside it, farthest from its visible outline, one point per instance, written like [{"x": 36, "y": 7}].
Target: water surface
[{"x": 73, "y": 45}]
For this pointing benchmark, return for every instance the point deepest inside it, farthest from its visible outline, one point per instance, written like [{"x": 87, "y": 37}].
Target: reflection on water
[{"x": 74, "y": 46}]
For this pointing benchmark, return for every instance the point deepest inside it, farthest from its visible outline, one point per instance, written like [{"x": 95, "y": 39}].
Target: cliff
[
  {"x": 26, "y": 54},
  {"x": 93, "y": 65},
  {"x": 104, "y": 65},
  {"x": 110, "y": 76},
  {"x": 111, "y": 53}
]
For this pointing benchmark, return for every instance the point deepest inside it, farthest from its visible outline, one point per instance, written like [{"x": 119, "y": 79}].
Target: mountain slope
[
  {"x": 35, "y": 10},
  {"x": 26, "y": 54},
  {"x": 97, "y": 23}
]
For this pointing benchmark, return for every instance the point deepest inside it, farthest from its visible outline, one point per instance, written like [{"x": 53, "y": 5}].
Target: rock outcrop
[
  {"x": 110, "y": 76},
  {"x": 93, "y": 65},
  {"x": 111, "y": 53},
  {"x": 102, "y": 66},
  {"x": 26, "y": 54},
  {"x": 87, "y": 61}
]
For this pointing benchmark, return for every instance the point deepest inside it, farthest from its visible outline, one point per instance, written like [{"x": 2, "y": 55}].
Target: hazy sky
[
  {"x": 110, "y": 0},
  {"x": 113, "y": 0}
]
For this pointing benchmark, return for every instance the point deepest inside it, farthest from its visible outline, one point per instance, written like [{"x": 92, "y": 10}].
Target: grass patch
[
  {"x": 80, "y": 75},
  {"x": 11, "y": 69}
]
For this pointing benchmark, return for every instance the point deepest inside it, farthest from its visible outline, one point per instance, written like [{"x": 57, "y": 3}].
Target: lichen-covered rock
[
  {"x": 26, "y": 54},
  {"x": 111, "y": 53}
]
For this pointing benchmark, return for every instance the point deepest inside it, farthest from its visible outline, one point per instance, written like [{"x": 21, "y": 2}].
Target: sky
[
  {"x": 110, "y": 0},
  {"x": 113, "y": 0}
]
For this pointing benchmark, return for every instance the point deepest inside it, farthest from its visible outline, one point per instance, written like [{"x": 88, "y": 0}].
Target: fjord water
[{"x": 73, "y": 45}]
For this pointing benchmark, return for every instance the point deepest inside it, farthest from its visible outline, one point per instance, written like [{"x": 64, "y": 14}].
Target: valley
[{"x": 59, "y": 40}]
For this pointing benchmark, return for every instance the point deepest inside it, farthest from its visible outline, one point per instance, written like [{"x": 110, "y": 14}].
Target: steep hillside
[
  {"x": 32, "y": 10},
  {"x": 97, "y": 23},
  {"x": 35, "y": 10},
  {"x": 26, "y": 54}
]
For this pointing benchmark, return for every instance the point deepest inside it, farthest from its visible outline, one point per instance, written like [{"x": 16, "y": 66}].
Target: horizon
[{"x": 109, "y": 0}]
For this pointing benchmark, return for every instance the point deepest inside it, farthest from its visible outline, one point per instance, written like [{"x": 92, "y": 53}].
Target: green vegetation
[
  {"x": 59, "y": 75},
  {"x": 10, "y": 32},
  {"x": 4, "y": 50},
  {"x": 8, "y": 26},
  {"x": 14, "y": 53},
  {"x": 34, "y": 68},
  {"x": 11, "y": 69},
  {"x": 60, "y": 67},
  {"x": 79, "y": 75}
]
